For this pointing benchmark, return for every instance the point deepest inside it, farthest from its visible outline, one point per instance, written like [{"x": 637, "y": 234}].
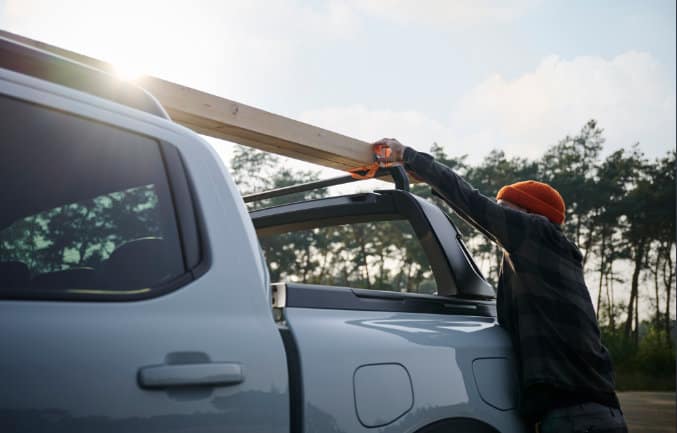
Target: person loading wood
[{"x": 565, "y": 373}]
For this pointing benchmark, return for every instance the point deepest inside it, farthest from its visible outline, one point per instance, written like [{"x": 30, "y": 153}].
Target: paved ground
[{"x": 649, "y": 412}]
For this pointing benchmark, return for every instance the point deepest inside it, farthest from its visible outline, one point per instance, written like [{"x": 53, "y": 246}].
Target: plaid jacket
[{"x": 542, "y": 299}]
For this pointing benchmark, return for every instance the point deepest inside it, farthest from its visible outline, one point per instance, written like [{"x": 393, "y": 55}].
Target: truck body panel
[{"x": 437, "y": 352}]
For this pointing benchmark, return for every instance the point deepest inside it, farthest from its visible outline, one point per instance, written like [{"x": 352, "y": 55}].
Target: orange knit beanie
[{"x": 536, "y": 197}]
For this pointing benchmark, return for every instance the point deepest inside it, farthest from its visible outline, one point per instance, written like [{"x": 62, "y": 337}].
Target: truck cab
[{"x": 136, "y": 292}]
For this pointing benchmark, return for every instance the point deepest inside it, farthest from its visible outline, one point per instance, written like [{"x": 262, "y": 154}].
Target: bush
[
  {"x": 655, "y": 353},
  {"x": 648, "y": 366}
]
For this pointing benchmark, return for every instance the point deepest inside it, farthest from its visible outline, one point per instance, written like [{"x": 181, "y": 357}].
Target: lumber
[{"x": 219, "y": 117}]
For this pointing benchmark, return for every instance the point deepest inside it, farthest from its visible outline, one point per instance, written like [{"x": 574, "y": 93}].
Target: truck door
[{"x": 132, "y": 298}]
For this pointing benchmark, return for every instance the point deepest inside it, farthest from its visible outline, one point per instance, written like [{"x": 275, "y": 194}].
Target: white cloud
[
  {"x": 630, "y": 95},
  {"x": 370, "y": 125}
]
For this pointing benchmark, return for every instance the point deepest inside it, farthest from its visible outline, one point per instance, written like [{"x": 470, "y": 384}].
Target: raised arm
[{"x": 505, "y": 226}]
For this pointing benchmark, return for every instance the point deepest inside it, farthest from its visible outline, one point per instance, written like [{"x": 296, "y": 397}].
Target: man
[{"x": 565, "y": 373}]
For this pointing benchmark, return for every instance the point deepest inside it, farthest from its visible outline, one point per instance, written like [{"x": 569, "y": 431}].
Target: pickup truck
[{"x": 135, "y": 295}]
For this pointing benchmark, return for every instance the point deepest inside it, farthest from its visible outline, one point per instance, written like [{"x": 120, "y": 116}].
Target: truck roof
[{"x": 47, "y": 66}]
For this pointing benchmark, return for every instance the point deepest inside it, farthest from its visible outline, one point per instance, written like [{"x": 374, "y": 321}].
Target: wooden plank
[{"x": 233, "y": 121}]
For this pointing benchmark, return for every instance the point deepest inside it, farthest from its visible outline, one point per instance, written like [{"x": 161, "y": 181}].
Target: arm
[{"x": 505, "y": 226}]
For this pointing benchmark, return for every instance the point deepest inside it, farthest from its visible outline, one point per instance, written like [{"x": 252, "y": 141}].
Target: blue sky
[
  {"x": 471, "y": 75},
  {"x": 453, "y": 57}
]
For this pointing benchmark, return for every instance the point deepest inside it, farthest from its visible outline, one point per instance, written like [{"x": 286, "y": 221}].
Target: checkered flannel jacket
[{"x": 542, "y": 299}]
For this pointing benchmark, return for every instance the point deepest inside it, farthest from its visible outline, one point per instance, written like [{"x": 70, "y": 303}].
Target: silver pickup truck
[{"x": 135, "y": 296}]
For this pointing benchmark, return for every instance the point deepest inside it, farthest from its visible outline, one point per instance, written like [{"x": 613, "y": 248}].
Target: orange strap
[
  {"x": 369, "y": 169},
  {"x": 381, "y": 155}
]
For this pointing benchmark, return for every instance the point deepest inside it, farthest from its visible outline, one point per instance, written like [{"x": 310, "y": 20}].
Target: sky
[{"x": 471, "y": 75}]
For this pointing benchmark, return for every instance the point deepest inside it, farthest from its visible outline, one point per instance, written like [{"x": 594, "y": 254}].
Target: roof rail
[
  {"x": 17, "y": 56},
  {"x": 398, "y": 174}
]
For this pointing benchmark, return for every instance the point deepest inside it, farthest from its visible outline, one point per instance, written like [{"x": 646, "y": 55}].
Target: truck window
[
  {"x": 86, "y": 207},
  {"x": 378, "y": 255}
]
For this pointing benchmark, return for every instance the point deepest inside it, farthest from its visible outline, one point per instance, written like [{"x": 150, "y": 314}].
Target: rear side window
[
  {"x": 378, "y": 255},
  {"x": 86, "y": 207}
]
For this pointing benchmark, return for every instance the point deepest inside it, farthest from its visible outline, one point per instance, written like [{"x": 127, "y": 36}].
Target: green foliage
[
  {"x": 655, "y": 353},
  {"x": 81, "y": 234},
  {"x": 256, "y": 171},
  {"x": 648, "y": 365},
  {"x": 252, "y": 169},
  {"x": 570, "y": 166}
]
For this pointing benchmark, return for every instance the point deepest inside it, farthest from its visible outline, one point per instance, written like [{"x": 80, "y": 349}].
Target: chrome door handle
[{"x": 182, "y": 375}]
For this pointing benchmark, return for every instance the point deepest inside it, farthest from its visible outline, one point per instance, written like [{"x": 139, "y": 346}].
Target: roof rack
[
  {"x": 25, "y": 59},
  {"x": 398, "y": 174}
]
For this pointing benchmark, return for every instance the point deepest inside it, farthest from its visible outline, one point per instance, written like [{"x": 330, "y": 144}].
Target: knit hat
[{"x": 536, "y": 197}]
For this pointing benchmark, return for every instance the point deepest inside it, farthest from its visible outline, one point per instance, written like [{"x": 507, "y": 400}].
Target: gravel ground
[{"x": 649, "y": 412}]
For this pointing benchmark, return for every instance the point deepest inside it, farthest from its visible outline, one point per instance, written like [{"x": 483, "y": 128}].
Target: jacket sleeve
[{"x": 505, "y": 226}]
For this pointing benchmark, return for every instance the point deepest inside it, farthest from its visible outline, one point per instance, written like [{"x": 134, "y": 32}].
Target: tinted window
[
  {"x": 85, "y": 207},
  {"x": 379, "y": 255}
]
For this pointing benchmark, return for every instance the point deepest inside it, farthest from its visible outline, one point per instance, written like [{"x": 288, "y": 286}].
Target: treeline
[{"x": 620, "y": 212}]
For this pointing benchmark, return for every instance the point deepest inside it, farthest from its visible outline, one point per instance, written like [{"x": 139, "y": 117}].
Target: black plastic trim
[
  {"x": 205, "y": 262},
  {"x": 345, "y": 298},
  {"x": 295, "y": 380},
  {"x": 464, "y": 269},
  {"x": 458, "y": 425},
  {"x": 183, "y": 205},
  {"x": 400, "y": 177},
  {"x": 408, "y": 206},
  {"x": 47, "y": 66},
  {"x": 31, "y": 294}
]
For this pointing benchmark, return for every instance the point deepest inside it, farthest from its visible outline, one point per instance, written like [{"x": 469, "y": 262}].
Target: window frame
[{"x": 189, "y": 225}]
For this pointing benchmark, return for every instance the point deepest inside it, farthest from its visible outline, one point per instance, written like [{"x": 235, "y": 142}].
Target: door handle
[{"x": 183, "y": 375}]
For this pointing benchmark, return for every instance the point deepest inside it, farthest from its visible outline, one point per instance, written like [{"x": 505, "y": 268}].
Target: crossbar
[{"x": 397, "y": 173}]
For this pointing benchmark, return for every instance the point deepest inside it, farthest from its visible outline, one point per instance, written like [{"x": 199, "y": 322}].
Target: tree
[
  {"x": 636, "y": 231},
  {"x": 662, "y": 214},
  {"x": 614, "y": 175},
  {"x": 570, "y": 167},
  {"x": 252, "y": 169}
]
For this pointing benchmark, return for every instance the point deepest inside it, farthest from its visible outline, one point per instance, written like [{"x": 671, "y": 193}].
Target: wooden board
[{"x": 230, "y": 120}]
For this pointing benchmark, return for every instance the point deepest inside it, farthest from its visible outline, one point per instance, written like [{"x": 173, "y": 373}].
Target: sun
[
  {"x": 127, "y": 52},
  {"x": 128, "y": 71}
]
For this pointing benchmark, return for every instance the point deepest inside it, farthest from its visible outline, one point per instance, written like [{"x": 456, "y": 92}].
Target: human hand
[{"x": 396, "y": 150}]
